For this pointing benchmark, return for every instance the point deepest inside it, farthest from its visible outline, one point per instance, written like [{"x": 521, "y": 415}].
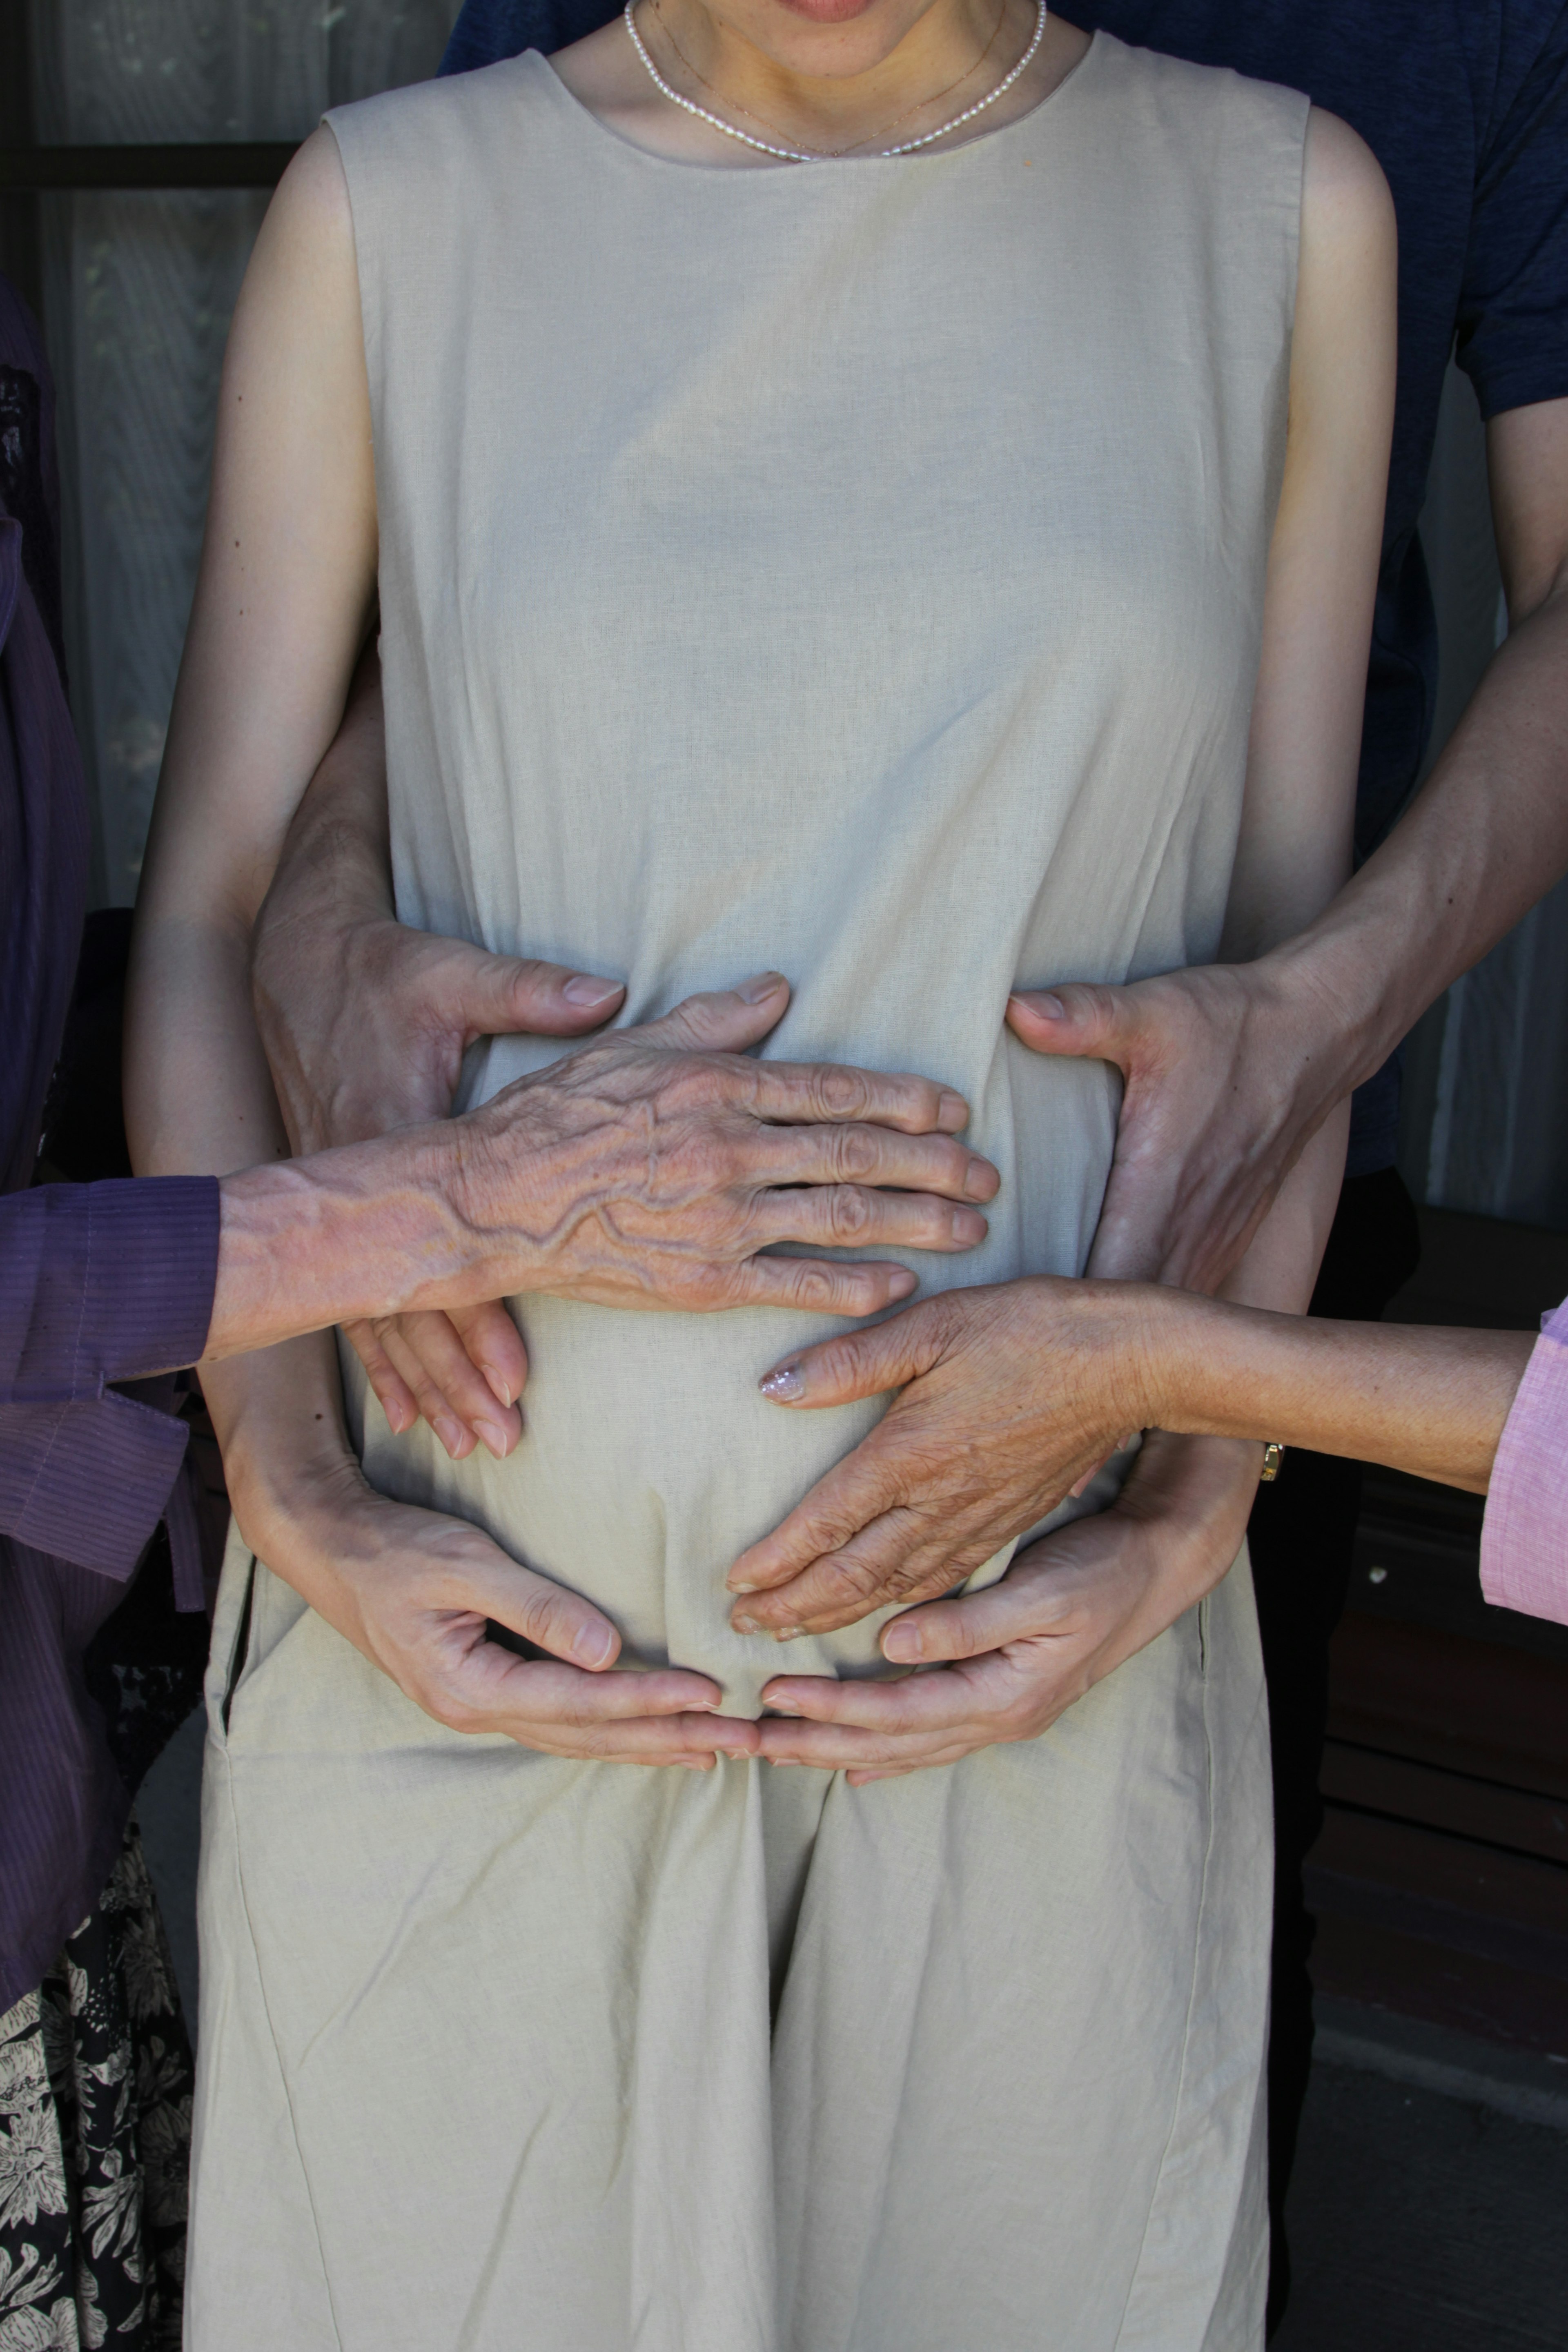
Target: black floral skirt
[{"x": 95, "y": 2129}]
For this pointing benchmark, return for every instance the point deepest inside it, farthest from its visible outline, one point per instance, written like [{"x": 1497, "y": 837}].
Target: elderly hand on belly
[{"x": 1001, "y": 1664}]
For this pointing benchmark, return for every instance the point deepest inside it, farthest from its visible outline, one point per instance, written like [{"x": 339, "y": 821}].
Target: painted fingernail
[
  {"x": 594, "y": 1645},
  {"x": 758, "y": 990},
  {"x": 783, "y": 1384},
  {"x": 901, "y": 1642},
  {"x": 952, "y": 1111},
  {"x": 788, "y": 1632},
  {"x": 587, "y": 990}
]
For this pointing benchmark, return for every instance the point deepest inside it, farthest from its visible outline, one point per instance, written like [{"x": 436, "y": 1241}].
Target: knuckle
[
  {"x": 856, "y": 1153},
  {"x": 453, "y": 1712},
  {"x": 851, "y": 1213},
  {"x": 841, "y": 1092}
]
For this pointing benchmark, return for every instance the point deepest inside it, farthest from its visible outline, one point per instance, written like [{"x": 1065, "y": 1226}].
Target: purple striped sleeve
[
  {"x": 1524, "y": 1536},
  {"x": 99, "y": 1283}
]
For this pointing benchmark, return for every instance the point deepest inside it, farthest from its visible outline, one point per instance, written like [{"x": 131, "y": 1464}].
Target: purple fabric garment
[
  {"x": 98, "y": 1284},
  {"x": 1524, "y": 1536}
]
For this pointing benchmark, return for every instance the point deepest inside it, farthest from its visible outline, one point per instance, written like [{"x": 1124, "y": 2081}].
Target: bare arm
[
  {"x": 1230, "y": 1071},
  {"x": 1432, "y": 1402}
]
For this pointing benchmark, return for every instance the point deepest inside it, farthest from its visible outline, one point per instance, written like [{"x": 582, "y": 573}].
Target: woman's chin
[{"x": 828, "y": 12}]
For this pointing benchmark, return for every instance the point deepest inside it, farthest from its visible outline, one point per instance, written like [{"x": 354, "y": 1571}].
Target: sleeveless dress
[{"x": 856, "y": 569}]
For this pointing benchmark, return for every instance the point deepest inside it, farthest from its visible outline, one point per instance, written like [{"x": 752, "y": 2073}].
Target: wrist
[{"x": 1338, "y": 1003}]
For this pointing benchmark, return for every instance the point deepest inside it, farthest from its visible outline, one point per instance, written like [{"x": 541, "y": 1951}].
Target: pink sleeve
[{"x": 1524, "y": 1536}]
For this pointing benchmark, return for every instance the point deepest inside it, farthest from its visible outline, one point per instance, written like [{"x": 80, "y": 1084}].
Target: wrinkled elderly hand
[
  {"x": 1002, "y": 1665},
  {"x": 1009, "y": 1397},
  {"x": 1229, "y": 1070},
  {"x": 654, "y": 1168}
]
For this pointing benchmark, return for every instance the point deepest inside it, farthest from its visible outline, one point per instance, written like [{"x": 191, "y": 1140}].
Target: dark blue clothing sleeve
[
  {"x": 489, "y": 29},
  {"x": 99, "y": 1283},
  {"x": 1513, "y": 301}
]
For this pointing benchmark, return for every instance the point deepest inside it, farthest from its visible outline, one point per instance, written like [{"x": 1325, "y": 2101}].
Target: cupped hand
[
  {"x": 658, "y": 1167},
  {"x": 1227, "y": 1076},
  {"x": 418, "y": 1593},
  {"x": 1002, "y": 1665},
  {"x": 1010, "y": 1396}
]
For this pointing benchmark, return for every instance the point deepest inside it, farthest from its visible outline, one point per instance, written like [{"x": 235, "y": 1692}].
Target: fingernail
[
  {"x": 781, "y": 1706},
  {"x": 901, "y": 1642},
  {"x": 1051, "y": 1006},
  {"x": 780, "y": 1763},
  {"x": 952, "y": 1111},
  {"x": 496, "y": 1439},
  {"x": 745, "y": 1624},
  {"x": 758, "y": 990},
  {"x": 500, "y": 1388},
  {"x": 968, "y": 1227},
  {"x": 704, "y": 1707},
  {"x": 980, "y": 1180},
  {"x": 783, "y": 1384},
  {"x": 903, "y": 1282},
  {"x": 594, "y": 1646},
  {"x": 788, "y": 1632},
  {"x": 397, "y": 1419},
  {"x": 585, "y": 990},
  {"x": 450, "y": 1435}
]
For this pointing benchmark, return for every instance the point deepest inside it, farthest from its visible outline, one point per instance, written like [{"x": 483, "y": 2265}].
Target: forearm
[
  {"x": 1483, "y": 839},
  {"x": 371, "y": 1229},
  {"x": 1432, "y": 1402},
  {"x": 1280, "y": 1269}
]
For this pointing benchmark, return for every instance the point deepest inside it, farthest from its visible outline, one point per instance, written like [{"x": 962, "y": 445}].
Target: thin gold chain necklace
[
  {"x": 836, "y": 155},
  {"x": 804, "y": 154}
]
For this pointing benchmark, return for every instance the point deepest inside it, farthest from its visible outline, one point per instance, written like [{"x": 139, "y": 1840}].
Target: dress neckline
[{"x": 564, "y": 97}]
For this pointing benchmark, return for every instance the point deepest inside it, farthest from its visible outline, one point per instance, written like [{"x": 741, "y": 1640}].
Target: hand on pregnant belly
[
  {"x": 1008, "y": 1396},
  {"x": 654, "y": 1166}
]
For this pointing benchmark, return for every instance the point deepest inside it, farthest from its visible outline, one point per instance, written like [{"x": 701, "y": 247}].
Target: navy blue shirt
[{"x": 1465, "y": 104}]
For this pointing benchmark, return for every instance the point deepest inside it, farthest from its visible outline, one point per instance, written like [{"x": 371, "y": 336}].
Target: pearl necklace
[
  {"x": 804, "y": 154},
  {"x": 837, "y": 154}
]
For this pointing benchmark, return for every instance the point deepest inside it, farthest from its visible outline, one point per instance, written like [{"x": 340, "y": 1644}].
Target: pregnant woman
[{"x": 887, "y": 489}]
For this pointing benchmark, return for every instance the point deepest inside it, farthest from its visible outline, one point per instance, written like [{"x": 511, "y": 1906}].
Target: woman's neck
[{"x": 888, "y": 73}]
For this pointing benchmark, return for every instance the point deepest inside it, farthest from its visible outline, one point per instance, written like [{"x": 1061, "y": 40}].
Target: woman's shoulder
[
  {"x": 430, "y": 123},
  {"x": 1194, "y": 99}
]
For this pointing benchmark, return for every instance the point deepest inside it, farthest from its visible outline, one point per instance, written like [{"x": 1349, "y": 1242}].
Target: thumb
[
  {"x": 1089, "y": 1018},
  {"x": 725, "y": 1021},
  {"x": 859, "y": 1363},
  {"x": 499, "y": 995}
]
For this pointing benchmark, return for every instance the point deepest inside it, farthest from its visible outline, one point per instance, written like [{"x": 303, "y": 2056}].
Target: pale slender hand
[
  {"x": 1228, "y": 1072},
  {"x": 416, "y": 1592},
  {"x": 1009, "y": 1396},
  {"x": 1002, "y": 1665}
]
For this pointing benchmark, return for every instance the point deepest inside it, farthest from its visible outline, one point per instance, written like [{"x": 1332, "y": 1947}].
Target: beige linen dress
[{"x": 856, "y": 569}]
